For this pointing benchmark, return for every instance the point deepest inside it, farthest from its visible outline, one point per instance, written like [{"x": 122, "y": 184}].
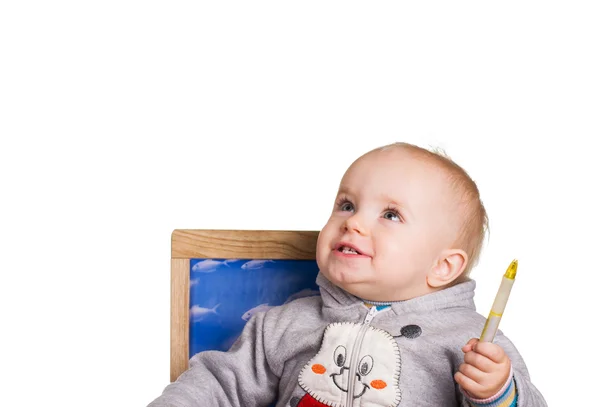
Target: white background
[{"x": 123, "y": 120}]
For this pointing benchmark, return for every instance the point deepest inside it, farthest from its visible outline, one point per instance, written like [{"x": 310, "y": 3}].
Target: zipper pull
[{"x": 371, "y": 314}]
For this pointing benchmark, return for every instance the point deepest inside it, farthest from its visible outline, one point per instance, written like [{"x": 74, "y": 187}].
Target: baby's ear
[{"x": 447, "y": 268}]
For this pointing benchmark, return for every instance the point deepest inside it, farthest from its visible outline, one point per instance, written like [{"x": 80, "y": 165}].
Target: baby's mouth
[{"x": 348, "y": 250}]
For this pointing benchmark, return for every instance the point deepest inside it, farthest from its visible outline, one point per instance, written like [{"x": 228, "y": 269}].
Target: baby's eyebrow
[{"x": 344, "y": 190}]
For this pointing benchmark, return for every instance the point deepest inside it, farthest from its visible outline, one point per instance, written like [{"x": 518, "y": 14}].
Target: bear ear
[{"x": 410, "y": 332}]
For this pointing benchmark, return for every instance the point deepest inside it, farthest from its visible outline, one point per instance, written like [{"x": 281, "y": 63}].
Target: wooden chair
[{"x": 231, "y": 259}]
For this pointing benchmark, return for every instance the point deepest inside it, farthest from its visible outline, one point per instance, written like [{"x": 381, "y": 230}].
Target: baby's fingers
[
  {"x": 472, "y": 372},
  {"x": 467, "y": 383},
  {"x": 483, "y": 363},
  {"x": 491, "y": 351},
  {"x": 469, "y": 346}
]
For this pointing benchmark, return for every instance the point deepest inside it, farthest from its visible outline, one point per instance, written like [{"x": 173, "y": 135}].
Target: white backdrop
[{"x": 123, "y": 120}]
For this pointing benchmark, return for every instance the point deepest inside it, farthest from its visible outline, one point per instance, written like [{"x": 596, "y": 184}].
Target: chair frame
[{"x": 187, "y": 244}]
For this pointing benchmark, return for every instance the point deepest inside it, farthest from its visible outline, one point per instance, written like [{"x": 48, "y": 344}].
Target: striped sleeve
[{"x": 506, "y": 396}]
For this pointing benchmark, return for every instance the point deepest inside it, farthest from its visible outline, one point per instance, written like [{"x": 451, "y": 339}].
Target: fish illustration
[
  {"x": 259, "y": 308},
  {"x": 255, "y": 264},
  {"x": 307, "y": 292},
  {"x": 206, "y": 266},
  {"x": 197, "y": 312}
]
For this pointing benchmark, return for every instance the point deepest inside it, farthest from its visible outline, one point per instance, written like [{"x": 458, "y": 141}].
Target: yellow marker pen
[{"x": 491, "y": 325}]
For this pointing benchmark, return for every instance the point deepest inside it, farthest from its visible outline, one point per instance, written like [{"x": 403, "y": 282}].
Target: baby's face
[{"x": 393, "y": 216}]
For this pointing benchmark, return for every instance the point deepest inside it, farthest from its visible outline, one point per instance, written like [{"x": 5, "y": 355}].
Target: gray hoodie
[{"x": 333, "y": 350}]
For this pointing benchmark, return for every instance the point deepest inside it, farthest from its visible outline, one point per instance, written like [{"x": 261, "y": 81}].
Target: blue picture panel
[{"x": 225, "y": 293}]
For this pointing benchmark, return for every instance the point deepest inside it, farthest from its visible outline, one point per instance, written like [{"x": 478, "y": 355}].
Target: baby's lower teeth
[{"x": 350, "y": 251}]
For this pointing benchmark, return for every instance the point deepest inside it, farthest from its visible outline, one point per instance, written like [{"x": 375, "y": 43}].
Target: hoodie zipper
[{"x": 355, "y": 353}]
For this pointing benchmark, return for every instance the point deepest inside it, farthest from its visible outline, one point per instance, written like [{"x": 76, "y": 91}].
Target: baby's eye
[
  {"x": 392, "y": 215},
  {"x": 346, "y": 207}
]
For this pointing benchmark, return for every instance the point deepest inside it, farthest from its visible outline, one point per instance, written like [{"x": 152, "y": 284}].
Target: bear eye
[
  {"x": 365, "y": 366},
  {"x": 339, "y": 356}
]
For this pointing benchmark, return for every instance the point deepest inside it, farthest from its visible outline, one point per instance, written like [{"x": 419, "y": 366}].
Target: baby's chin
[
  {"x": 360, "y": 289},
  {"x": 375, "y": 292},
  {"x": 365, "y": 288},
  {"x": 342, "y": 278}
]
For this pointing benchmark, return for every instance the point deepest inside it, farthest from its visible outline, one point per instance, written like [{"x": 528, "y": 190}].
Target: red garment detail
[{"x": 309, "y": 401}]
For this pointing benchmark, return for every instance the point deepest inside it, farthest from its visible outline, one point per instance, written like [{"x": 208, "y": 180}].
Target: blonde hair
[{"x": 475, "y": 224}]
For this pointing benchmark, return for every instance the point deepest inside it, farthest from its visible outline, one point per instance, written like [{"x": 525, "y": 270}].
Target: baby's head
[{"x": 406, "y": 222}]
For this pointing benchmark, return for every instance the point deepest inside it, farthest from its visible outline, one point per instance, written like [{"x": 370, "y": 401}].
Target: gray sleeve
[
  {"x": 239, "y": 377},
  {"x": 527, "y": 394}
]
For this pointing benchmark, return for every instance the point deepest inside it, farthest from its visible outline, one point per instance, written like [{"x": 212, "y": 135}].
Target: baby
[{"x": 395, "y": 324}]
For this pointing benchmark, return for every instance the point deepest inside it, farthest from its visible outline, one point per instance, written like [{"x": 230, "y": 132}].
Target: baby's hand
[{"x": 485, "y": 370}]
